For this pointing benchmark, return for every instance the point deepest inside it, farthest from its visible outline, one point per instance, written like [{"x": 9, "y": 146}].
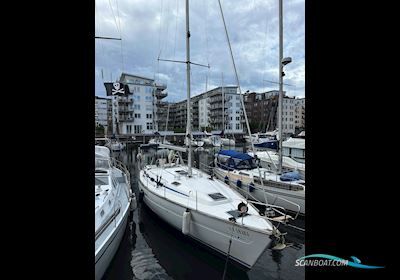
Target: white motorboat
[
  {"x": 115, "y": 145},
  {"x": 286, "y": 190},
  {"x": 194, "y": 142},
  {"x": 113, "y": 200},
  {"x": 263, "y": 140},
  {"x": 156, "y": 141},
  {"x": 227, "y": 142},
  {"x": 212, "y": 140}
]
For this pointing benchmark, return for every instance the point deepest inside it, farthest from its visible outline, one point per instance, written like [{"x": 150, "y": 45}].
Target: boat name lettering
[{"x": 239, "y": 231}]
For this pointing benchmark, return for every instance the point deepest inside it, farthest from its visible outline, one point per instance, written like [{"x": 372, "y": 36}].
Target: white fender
[
  {"x": 186, "y": 222},
  {"x": 133, "y": 203}
]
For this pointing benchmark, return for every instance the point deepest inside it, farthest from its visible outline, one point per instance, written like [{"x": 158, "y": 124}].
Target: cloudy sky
[{"x": 156, "y": 28}]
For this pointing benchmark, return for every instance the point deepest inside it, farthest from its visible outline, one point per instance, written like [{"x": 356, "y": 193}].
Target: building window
[
  {"x": 149, "y": 126},
  {"x": 238, "y": 118},
  {"x": 137, "y": 128},
  {"x": 237, "y": 126},
  {"x": 148, "y": 98},
  {"x": 149, "y": 116},
  {"x": 137, "y": 116},
  {"x": 237, "y": 97},
  {"x": 137, "y": 106},
  {"x": 149, "y": 107}
]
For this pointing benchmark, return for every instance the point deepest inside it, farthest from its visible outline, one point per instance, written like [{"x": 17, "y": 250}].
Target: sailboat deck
[{"x": 200, "y": 192}]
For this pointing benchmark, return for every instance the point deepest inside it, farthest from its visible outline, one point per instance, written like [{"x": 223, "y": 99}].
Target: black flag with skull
[{"x": 116, "y": 88}]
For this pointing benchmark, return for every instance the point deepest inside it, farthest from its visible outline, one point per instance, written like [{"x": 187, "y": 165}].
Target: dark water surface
[{"x": 151, "y": 249}]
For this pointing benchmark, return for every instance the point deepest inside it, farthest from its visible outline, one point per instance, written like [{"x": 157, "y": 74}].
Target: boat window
[
  {"x": 236, "y": 214},
  {"x": 217, "y": 196},
  {"x": 243, "y": 165},
  {"x": 182, "y": 172},
  {"x": 101, "y": 180},
  {"x": 102, "y": 163},
  {"x": 120, "y": 179},
  {"x": 175, "y": 183}
]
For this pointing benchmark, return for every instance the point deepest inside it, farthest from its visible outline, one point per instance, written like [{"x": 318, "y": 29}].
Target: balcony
[
  {"x": 161, "y": 94},
  {"x": 126, "y": 119},
  {"x": 129, "y": 101},
  {"x": 160, "y": 86}
]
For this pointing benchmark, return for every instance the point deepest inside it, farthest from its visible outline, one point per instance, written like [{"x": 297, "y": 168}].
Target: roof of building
[
  {"x": 214, "y": 90},
  {"x": 101, "y": 97},
  {"x": 136, "y": 76}
]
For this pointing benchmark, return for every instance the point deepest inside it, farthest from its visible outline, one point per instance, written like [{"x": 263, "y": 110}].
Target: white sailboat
[
  {"x": 269, "y": 158},
  {"x": 293, "y": 156},
  {"x": 113, "y": 199},
  {"x": 201, "y": 206}
]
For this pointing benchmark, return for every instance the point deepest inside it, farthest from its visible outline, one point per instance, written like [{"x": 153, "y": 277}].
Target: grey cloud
[{"x": 253, "y": 30}]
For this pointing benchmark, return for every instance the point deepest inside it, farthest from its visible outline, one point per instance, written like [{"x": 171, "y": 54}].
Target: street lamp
[{"x": 284, "y": 61}]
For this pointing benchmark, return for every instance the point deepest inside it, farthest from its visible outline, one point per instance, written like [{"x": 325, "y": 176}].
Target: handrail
[
  {"x": 106, "y": 224},
  {"x": 116, "y": 163}
]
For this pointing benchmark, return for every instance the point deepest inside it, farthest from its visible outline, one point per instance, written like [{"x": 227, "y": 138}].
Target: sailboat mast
[
  {"x": 188, "y": 118},
  {"x": 223, "y": 101},
  {"x": 280, "y": 101},
  {"x": 166, "y": 123}
]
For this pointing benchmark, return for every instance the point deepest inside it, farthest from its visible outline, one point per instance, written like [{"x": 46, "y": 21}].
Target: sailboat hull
[
  {"x": 273, "y": 195},
  {"x": 247, "y": 245}
]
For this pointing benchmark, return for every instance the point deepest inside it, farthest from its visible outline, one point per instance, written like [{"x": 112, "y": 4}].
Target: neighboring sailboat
[
  {"x": 270, "y": 158},
  {"x": 201, "y": 206},
  {"x": 113, "y": 199},
  {"x": 263, "y": 140},
  {"x": 293, "y": 158},
  {"x": 286, "y": 190}
]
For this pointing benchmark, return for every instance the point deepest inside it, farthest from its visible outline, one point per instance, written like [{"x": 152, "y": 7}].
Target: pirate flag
[{"x": 116, "y": 88}]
